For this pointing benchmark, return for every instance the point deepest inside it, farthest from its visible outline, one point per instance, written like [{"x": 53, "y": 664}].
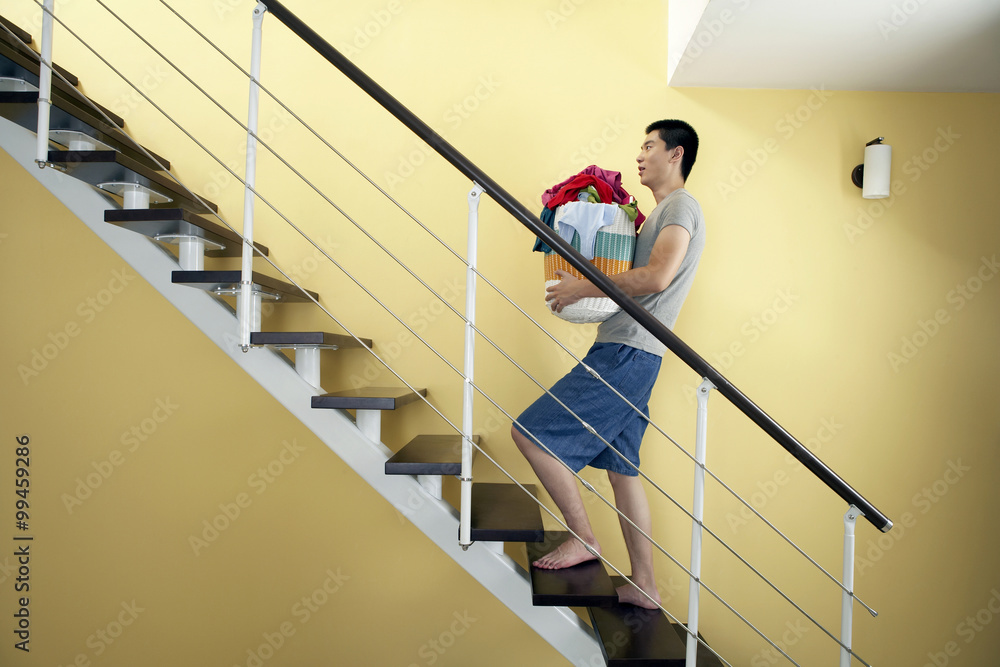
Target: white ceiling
[{"x": 887, "y": 45}]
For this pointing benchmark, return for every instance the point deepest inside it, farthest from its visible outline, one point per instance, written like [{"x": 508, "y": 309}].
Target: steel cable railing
[
  {"x": 528, "y": 219},
  {"x": 423, "y": 226},
  {"x": 508, "y": 473},
  {"x": 583, "y": 481},
  {"x": 409, "y": 386},
  {"x": 422, "y": 282},
  {"x": 607, "y": 501},
  {"x": 644, "y": 318},
  {"x": 383, "y": 362},
  {"x": 500, "y": 292}
]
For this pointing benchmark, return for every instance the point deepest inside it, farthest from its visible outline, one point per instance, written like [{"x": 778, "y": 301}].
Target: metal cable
[
  {"x": 503, "y": 295},
  {"x": 403, "y": 323},
  {"x": 456, "y": 254},
  {"x": 500, "y": 292},
  {"x": 430, "y": 347},
  {"x": 505, "y": 472},
  {"x": 316, "y": 134}
]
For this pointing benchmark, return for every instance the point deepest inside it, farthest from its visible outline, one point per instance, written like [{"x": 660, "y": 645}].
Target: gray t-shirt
[{"x": 678, "y": 208}]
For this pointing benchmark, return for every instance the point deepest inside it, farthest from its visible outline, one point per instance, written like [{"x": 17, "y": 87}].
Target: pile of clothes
[{"x": 592, "y": 185}]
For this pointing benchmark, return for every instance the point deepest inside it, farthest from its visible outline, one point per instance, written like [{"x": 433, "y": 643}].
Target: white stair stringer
[{"x": 500, "y": 574}]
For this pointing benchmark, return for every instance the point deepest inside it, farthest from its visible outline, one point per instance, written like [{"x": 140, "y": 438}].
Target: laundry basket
[{"x": 614, "y": 249}]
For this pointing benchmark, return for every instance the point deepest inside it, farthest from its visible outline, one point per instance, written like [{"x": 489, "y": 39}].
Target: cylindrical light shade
[{"x": 878, "y": 158}]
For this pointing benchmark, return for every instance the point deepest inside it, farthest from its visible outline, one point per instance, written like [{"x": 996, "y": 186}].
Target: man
[{"x": 627, "y": 357}]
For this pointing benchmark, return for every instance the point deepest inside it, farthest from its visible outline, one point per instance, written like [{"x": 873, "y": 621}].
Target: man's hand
[
  {"x": 566, "y": 292},
  {"x": 668, "y": 251}
]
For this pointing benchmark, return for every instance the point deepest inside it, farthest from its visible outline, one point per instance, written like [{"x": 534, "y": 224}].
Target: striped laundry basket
[{"x": 614, "y": 249}]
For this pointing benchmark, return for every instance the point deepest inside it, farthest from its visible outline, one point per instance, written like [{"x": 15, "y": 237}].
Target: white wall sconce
[{"x": 873, "y": 176}]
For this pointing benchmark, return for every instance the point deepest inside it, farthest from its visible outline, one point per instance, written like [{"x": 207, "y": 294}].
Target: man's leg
[
  {"x": 562, "y": 486},
  {"x": 630, "y": 498}
]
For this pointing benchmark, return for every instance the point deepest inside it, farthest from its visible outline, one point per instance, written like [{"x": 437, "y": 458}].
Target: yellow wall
[{"x": 867, "y": 328}]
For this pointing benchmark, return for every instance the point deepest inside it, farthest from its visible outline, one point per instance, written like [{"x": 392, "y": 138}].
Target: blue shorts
[{"x": 632, "y": 373}]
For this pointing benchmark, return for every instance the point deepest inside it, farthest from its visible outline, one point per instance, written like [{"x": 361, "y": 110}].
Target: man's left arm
[{"x": 664, "y": 260}]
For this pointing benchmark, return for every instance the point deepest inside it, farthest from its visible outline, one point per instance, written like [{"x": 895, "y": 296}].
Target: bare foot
[
  {"x": 569, "y": 553},
  {"x": 628, "y": 594}
]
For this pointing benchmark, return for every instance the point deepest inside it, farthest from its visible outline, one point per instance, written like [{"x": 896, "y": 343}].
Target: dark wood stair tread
[
  {"x": 66, "y": 114},
  {"x": 24, "y": 64},
  {"x": 505, "y": 513},
  {"x": 429, "y": 455},
  {"x": 154, "y": 222},
  {"x": 320, "y": 339},
  {"x": 369, "y": 398},
  {"x": 96, "y": 167},
  {"x": 19, "y": 33},
  {"x": 225, "y": 281},
  {"x": 21, "y": 42},
  {"x": 583, "y": 585},
  {"x": 706, "y": 658},
  {"x": 631, "y": 636}
]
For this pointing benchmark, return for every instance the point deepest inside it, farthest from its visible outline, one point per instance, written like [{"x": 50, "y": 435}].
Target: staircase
[{"x": 127, "y": 196}]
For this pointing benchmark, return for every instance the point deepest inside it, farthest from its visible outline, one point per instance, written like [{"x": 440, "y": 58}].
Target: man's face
[{"x": 654, "y": 160}]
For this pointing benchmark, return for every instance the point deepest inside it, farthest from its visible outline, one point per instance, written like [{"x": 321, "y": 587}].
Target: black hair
[{"x": 678, "y": 133}]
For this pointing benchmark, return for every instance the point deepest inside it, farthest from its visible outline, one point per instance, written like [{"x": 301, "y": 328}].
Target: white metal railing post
[
  {"x": 847, "y": 597},
  {"x": 246, "y": 304},
  {"x": 698, "y": 514},
  {"x": 465, "y": 508},
  {"x": 250, "y": 321},
  {"x": 45, "y": 86}
]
